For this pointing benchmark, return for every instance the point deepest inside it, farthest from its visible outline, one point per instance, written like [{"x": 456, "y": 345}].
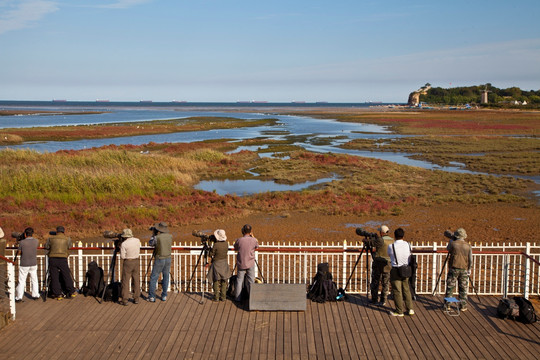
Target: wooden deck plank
[
  {"x": 180, "y": 328},
  {"x": 172, "y": 345}
]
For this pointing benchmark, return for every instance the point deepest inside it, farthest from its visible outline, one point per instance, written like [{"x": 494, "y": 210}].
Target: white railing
[
  {"x": 7, "y": 285},
  {"x": 511, "y": 269}
]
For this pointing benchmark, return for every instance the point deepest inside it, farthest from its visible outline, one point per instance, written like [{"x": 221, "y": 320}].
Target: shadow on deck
[{"x": 183, "y": 328}]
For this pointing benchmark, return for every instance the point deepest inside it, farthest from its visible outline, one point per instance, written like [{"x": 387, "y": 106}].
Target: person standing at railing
[
  {"x": 28, "y": 265},
  {"x": 219, "y": 271},
  {"x": 381, "y": 266},
  {"x": 57, "y": 248},
  {"x": 162, "y": 262},
  {"x": 459, "y": 266},
  {"x": 130, "y": 249},
  {"x": 245, "y": 261},
  {"x": 400, "y": 252}
]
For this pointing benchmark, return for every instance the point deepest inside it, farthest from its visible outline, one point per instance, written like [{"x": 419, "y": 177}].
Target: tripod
[
  {"x": 365, "y": 249},
  {"x": 111, "y": 269},
  {"x": 47, "y": 279},
  {"x": 440, "y": 274},
  {"x": 204, "y": 251}
]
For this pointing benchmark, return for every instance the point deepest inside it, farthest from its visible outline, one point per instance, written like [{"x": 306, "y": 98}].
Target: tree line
[{"x": 472, "y": 95}]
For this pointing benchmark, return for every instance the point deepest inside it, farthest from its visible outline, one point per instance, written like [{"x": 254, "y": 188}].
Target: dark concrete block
[{"x": 278, "y": 297}]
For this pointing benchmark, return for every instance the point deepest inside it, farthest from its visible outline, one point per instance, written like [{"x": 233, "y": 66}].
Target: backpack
[
  {"x": 323, "y": 288},
  {"x": 507, "y": 308},
  {"x": 93, "y": 283},
  {"x": 526, "y": 310},
  {"x": 113, "y": 292}
]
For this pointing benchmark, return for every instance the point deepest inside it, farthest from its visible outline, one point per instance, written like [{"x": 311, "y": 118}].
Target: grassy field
[
  {"x": 94, "y": 190},
  {"x": 429, "y": 122},
  {"x": 490, "y": 154},
  {"x": 116, "y": 186}
]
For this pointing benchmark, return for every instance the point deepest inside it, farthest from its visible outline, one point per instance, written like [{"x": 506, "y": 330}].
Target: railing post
[
  {"x": 434, "y": 268},
  {"x": 80, "y": 262},
  {"x": 256, "y": 264},
  {"x": 505, "y": 276},
  {"x": 11, "y": 286},
  {"x": 344, "y": 271},
  {"x": 527, "y": 271},
  {"x": 306, "y": 281}
]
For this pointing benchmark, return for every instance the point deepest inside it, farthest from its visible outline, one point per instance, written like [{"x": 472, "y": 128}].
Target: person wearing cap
[
  {"x": 459, "y": 266},
  {"x": 219, "y": 271},
  {"x": 245, "y": 261},
  {"x": 28, "y": 265},
  {"x": 400, "y": 252},
  {"x": 162, "y": 240},
  {"x": 129, "y": 253},
  {"x": 381, "y": 266},
  {"x": 57, "y": 249}
]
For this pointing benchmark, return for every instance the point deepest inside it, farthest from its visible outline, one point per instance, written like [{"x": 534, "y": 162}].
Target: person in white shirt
[
  {"x": 129, "y": 253},
  {"x": 399, "y": 253}
]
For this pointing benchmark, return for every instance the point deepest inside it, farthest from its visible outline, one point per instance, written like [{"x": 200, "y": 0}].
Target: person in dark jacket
[
  {"x": 219, "y": 271},
  {"x": 381, "y": 266},
  {"x": 57, "y": 249},
  {"x": 459, "y": 266}
]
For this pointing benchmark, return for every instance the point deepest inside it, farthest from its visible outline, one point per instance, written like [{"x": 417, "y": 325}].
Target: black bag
[
  {"x": 405, "y": 271},
  {"x": 113, "y": 292},
  {"x": 507, "y": 308},
  {"x": 93, "y": 283},
  {"x": 323, "y": 288},
  {"x": 526, "y": 310}
]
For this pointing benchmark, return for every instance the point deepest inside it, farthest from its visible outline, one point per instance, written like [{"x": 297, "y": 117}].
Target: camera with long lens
[
  {"x": 364, "y": 233},
  {"x": 205, "y": 238},
  {"x": 369, "y": 238},
  {"x": 114, "y": 236},
  {"x": 17, "y": 235}
]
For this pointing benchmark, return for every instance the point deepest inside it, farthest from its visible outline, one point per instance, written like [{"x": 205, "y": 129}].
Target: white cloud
[
  {"x": 16, "y": 15},
  {"x": 123, "y": 4}
]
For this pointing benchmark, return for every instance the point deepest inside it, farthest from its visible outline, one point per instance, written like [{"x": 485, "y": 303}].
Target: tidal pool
[{"x": 254, "y": 186}]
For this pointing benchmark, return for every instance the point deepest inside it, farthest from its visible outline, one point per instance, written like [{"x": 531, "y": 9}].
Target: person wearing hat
[
  {"x": 28, "y": 265},
  {"x": 245, "y": 261},
  {"x": 162, "y": 263},
  {"x": 129, "y": 253},
  {"x": 57, "y": 249},
  {"x": 381, "y": 266},
  {"x": 219, "y": 271},
  {"x": 459, "y": 266}
]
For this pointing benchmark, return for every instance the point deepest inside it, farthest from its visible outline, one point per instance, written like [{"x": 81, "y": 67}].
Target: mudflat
[{"x": 486, "y": 223}]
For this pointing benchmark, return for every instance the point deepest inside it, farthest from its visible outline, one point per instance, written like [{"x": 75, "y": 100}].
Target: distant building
[{"x": 484, "y": 97}]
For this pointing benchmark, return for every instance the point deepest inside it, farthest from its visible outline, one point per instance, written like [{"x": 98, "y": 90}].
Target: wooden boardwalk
[{"x": 181, "y": 328}]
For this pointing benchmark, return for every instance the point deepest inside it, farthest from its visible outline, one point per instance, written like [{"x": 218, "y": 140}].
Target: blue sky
[{"x": 236, "y": 50}]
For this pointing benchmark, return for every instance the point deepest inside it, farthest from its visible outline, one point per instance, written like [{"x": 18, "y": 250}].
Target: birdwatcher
[
  {"x": 459, "y": 267},
  {"x": 162, "y": 262},
  {"x": 219, "y": 271},
  {"x": 129, "y": 253},
  {"x": 245, "y": 261},
  {"x": 57, "y": 249},
  {"x": 381, "y": 266},
  {"x": 400, "y": 252},
  {"x": 28, "y": 265}
]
